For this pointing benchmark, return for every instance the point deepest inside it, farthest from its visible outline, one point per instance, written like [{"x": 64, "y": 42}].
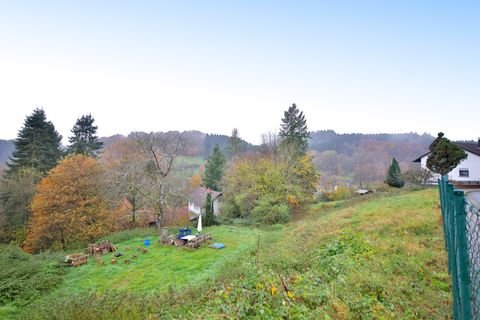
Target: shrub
[
  {"x": 340, "y": 193},
  {"x": 24, "y": 277},
  {"x": 268, "y": 211}
]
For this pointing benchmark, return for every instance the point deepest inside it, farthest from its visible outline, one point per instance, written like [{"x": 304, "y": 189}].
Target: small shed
[{"x": 197, "y": 199}]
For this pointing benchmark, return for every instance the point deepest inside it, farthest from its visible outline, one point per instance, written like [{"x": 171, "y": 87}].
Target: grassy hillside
[{"x": 378, "y": 257}]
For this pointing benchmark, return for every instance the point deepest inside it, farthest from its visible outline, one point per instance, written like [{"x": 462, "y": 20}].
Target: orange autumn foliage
[
  {"x": 195, "y": 181},
  {"x": 69, "y": 206}
]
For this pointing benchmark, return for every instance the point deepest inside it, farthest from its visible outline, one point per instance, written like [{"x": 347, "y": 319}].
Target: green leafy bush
[
  {"x": 340, "y": 193},
  {"x": 268, "y": 211},
  {"x": 24, "y": 277}
]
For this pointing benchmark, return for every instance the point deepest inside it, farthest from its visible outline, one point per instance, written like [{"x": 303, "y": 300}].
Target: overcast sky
[{"x": 352, "y": 66}]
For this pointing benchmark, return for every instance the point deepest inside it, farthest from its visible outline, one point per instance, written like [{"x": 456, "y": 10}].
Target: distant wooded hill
[
  {"x": 363, "y": 158},
  {"x": 202, "y": 144},
  {"x": 6, "y": 149}
]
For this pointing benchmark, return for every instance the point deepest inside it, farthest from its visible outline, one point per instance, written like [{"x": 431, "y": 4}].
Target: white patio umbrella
[{"x": 199, "y": 225}]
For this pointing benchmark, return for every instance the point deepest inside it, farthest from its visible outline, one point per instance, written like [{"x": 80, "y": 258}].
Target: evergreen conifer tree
[
  {"x": 214, "y": 169},
  {"x": 444, "y": 155},
  {"x": 209, "y": 216},
  {"x": 394, "y": 175},
  {"x": 84, "y": 141},
  {"x": 235, "y": 144},
  {"x": 37, "y": 146},
  {"x": 294, "y": 131}
]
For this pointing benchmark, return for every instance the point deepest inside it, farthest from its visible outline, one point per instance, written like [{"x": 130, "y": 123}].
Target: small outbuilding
[{"x": 196, "y": 202}]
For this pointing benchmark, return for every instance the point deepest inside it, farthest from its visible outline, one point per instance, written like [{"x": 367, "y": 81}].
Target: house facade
[
  {"x": 468, "y": 171},
  {"x": 196, "y": 202}
]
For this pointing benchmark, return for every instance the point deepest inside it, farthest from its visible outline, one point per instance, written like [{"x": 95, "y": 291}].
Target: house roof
[
  {"x": 419, "y": 159},
  {"x": 472, "y": 147},
  {"x": 199, "y": 195}
]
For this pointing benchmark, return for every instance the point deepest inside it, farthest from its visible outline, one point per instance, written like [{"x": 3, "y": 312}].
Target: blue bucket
[{"x": 146, "y": 242}]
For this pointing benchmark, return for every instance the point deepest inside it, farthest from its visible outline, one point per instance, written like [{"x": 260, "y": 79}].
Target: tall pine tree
[
  {"x": 235, "y": 144},
  {"x": 209, "y": 216},
  {"x": 214, "y": 169},
  {"x": 37, "y": 146},
  {"x": 294, "y": 132},
  {"x": 84, "y": 141}
]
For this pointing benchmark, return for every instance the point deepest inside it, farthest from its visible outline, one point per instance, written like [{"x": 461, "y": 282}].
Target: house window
[{"x": 463, "y": 173}]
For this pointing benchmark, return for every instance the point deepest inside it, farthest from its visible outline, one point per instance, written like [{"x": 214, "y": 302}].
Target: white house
[
  {"x": 197, "y": 199},
  {"x": 468, "y": 171}
]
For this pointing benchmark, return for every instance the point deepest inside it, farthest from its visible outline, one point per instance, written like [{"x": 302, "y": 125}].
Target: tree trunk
[
  {"x": 62, "y": 238},
  {"x": 134, "y": 210},
  {"x": 160, "y": 208},
  {"x": 159, "y": 219}
]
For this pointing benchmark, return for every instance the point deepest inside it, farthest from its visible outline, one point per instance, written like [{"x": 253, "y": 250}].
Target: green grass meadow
[
  {"x": 162, "y": 266},
  {"x": 376, "y": 257}
]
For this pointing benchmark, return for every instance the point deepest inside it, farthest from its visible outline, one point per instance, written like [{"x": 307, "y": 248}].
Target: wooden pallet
[
  {"x": 198, "y": 241},
  {"x": 77, "y": 259}
]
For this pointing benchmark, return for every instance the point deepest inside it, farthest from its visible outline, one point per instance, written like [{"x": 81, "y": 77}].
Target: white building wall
[
  {"x": 217, "y": 206},
  {"x": 194, "y": 209},
  {"x": 472, "y": 163}
]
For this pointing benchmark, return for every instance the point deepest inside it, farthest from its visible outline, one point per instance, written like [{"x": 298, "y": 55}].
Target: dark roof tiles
[{"x": 472, "y": 147}]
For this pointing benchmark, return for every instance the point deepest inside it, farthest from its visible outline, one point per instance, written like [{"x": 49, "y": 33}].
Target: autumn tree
[
  {"x": 69, "y": 206},
  {"x": 37, "y": 145},
  {"x": 161, "y": 151},
  {"x": 250, "y": 179},
  {"x": 194, "y": 181},
  {"x": 394, "y": 175},
  {"x": 444, "y": 155},
  {"x": 214, "y": 169},
  {"x": 125, "y": 166},
  {"x": 270, "y": 145},
  {"x": 294, "y": 131},
  {"x": 84, "y": 140}
]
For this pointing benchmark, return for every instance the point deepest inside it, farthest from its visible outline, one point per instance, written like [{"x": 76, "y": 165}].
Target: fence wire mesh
[
  {"x": 473, "y": 240},
  {"x": 461, "y": 225}
]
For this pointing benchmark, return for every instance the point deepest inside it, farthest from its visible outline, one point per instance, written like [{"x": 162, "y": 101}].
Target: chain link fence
[
  {"x": 461, "y": 226},
  {"x": 473, "y": 240}
]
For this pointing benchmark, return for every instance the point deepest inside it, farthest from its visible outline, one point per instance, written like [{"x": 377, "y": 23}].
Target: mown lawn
[{"x": 162, "y": 267}]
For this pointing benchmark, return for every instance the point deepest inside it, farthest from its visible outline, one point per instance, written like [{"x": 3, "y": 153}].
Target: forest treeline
[{"x": 341, "y": 158}]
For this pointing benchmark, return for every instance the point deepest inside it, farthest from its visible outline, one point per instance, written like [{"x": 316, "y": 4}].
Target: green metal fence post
[
  {"x": 452, "y": 250},
  {"x": 450, "y": 220},
  {"x": 462, "y": 259},
  {"x": 441, "y": 187}
]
